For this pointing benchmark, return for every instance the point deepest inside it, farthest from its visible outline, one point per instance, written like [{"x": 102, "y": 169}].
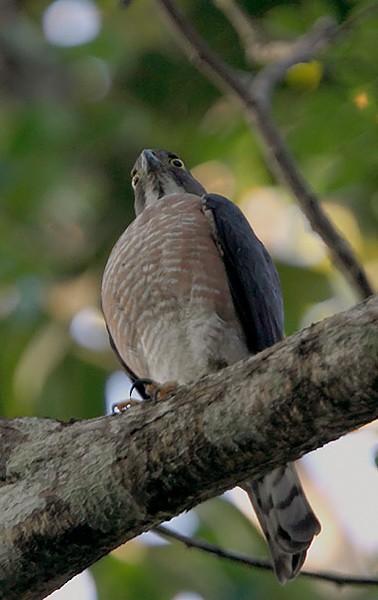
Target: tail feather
[{"x": 286, "y": 518}]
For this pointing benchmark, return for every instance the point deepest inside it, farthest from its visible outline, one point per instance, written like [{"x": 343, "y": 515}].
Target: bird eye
[
  {"x": 176, "y": 162},
  {"x": 134, "y": 180}
]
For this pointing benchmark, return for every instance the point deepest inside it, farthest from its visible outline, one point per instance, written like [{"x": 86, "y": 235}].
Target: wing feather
[{"x": 252, "y": 276}]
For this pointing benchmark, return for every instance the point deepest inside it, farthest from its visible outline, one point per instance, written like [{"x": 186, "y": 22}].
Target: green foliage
[{"x": 72, "y": 121}]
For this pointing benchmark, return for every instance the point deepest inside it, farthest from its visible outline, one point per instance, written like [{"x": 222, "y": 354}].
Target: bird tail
[{"x": 286, "y": 518}]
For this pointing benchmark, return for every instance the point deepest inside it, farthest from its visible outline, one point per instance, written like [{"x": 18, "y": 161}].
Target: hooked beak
[{"x": 149, "y": 160}]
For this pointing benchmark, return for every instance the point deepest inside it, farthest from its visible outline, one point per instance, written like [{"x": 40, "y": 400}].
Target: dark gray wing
[{"x": 252, "y": 276}]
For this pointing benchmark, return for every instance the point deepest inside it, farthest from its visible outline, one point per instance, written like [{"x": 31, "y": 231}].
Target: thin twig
[
  {"x": 256, "y": 101},
  {"x": 256, "y": 50},
  {"x": 338, "y": 578},
  {"x": 321, "y": 35},
  {"x": 360, "y": 15}
]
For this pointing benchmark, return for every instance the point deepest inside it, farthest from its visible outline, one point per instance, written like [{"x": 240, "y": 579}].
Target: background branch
[
  {"x": 259, "y": 563},
  {"x": 256, "y": 102},
  {"x": 71, "y": 492},
  {"x": 256, "y": 50}
]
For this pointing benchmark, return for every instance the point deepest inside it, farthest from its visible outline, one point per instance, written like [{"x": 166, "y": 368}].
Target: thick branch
[
  {"x": 71, "y": 492},
  {"x": 256, "y": 101}
]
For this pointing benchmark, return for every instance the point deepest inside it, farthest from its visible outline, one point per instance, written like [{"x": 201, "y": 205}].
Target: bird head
[{"x": 158, "y": 173}]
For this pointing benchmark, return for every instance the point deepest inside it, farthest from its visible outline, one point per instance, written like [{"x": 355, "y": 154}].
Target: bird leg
[
  {"x": 160, "y": 391},
  {"x": 153, "y": 389}
]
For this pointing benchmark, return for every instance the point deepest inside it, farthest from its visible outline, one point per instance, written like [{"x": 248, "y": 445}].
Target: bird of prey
[{"x": 189, "y": 289}]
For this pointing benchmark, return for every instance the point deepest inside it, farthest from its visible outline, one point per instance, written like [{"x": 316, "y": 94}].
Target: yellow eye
[
  {"x": 177, "y": 162},
  {"x": 134, "y": 180}
]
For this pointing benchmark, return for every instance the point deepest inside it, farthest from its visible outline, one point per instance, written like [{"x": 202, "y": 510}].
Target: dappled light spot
[
  {"x": 371, "y": 268},
  {"x": 216, "y": 178},
  {"x": 92, "y": 77},
  {"x": 66, "y": 215},
  {"x": 185, "y": 524},
  {"x": 220, "y": 117},
  {"x": 321, "y": 310},
  {"x": 81, "y": 586},
  {"x": 282, "y": 227},
  {"x": 41, "y": 356},
  {"x": 187, "y": 595},
  {"x": 361, "y": 100},
  {"x": 345, "y": 222},
  {"x": 88, "y": 329},
  {"x": 130, "y": 553},
  {"x": 345, "y": 474},
  {"x": 71, "y": 22},
  {"x": 66, "y": 298},
  {"x": 134, "y": 550},
  {"x": 117, "y": 389}
]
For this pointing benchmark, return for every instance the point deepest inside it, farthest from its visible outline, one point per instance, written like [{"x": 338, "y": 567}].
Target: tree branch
[
  {"x": 256, "y": 101},
  {"x": 256, "y": 51},
  {"x": 71, "y": 492},
  {"x": 259, "y": 563}
]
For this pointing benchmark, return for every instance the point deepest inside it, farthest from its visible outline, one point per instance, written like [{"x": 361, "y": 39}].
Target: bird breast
[{"x": 165, "y": 295}]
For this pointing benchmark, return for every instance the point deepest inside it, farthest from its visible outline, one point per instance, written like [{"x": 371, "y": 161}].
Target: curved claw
[{"x": 144, "y": 382}]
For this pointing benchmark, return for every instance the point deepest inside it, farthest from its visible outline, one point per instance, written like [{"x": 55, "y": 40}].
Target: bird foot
[
  {"x": 160, "y": 391},
  {"x": 120, "y": 407},
  {"x": 154, "y": 390}
]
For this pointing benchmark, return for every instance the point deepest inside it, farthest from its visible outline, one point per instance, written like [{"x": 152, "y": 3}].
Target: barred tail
[{"x": 286, "y": 518}]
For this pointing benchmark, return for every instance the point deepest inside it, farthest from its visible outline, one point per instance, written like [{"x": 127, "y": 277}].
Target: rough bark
[{"x": 71, "y": 492}]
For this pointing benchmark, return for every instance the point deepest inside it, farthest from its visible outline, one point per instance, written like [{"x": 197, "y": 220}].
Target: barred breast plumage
[{"x": 166, "y": 297}]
